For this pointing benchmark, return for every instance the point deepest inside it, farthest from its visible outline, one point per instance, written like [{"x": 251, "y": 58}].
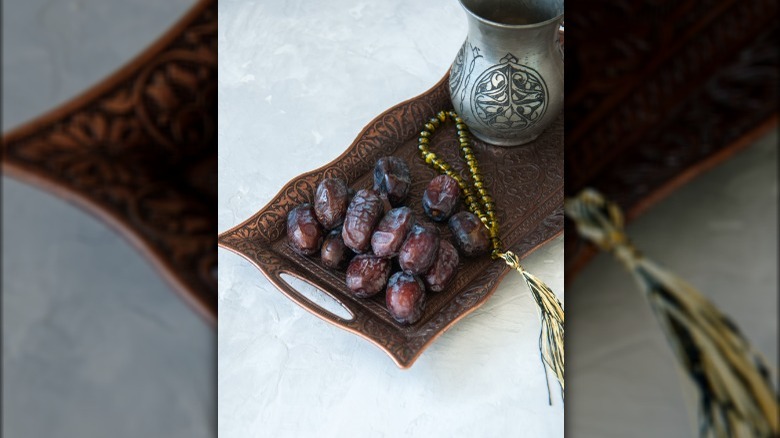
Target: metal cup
[{"x": 507, "y": 79}]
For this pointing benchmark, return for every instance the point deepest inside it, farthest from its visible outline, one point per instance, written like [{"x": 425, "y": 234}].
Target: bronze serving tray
[{"x": 526, "y": 181}]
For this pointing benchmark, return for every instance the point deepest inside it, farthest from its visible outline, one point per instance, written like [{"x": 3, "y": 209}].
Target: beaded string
[
  {"x": 488, "y": 216},
  {"x": 479, "y": 202}
]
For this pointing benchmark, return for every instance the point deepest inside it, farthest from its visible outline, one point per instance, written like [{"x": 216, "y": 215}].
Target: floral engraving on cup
[
  {"x": 456, "y": 72},
  {"x": 474, "y": 56},
  {"x": 509, "y": 96}
]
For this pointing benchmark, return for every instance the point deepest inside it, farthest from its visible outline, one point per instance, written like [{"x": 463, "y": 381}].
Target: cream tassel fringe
[{"x": 736, "y": 392}]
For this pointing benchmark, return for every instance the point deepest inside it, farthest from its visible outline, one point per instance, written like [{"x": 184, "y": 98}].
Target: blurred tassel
[
  {"x": 551, "y": 314},
  {"x": 737, "y": 397}
]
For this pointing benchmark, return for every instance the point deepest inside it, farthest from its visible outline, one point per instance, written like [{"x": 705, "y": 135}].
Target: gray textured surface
[
  {"x": 720, "y": 234},
  {"x": 95, "y": 343},
  {"x": 298, "y": 80}
]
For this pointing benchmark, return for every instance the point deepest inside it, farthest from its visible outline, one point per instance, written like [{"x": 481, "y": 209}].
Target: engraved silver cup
[{"x": 507, "y": 79}]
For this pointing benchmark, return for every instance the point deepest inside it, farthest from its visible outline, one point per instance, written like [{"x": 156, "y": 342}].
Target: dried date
[
  {"x": 367, "y": 275},
  {"x": 363, "y": 213},
  {"x": 392, "y": 179},
  {"x": 334, "y": 253},
  {"x": 441, "y": 197},
  {"x": 419, "y": 249},
  {"x": 331, "y": 201},
  {"x": 470, "y": 234},
  {"x": 405, "y": 298},
  {"x": 304, "y": 232},
  {"x": 444, "y": 268},
  {"x": 389, "y": 235}
]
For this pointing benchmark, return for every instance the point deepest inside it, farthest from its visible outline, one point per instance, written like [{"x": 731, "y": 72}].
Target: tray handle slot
[{"x": 314, "y": 298}]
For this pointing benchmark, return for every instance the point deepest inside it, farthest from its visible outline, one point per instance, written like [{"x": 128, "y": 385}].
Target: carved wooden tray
[
  {"x": 526, "y": 181},
  {"x": 139, "y": 150}
]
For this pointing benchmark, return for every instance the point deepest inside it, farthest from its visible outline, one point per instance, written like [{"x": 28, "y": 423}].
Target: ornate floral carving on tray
[
  {"x": 527, "y": 182},
  {"x": 140, "y": 151}
]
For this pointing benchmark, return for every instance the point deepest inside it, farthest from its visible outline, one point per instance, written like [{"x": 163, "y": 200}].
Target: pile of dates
[{"x": 381, "y": 242}]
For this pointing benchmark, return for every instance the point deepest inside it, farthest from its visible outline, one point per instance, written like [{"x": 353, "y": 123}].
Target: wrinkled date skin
[
  {"x": 392, "y": 179},
  {"x": 331, "y": 201},
  {"x": 391, "y": 232},
  {"x": 441, "y": 198},
  {"x": 470, "y": 234},
  {"x": 334, "y": 253},
  {"x": 367, "y": 275},
  {"x": 363, "y": 213},
  {"x": 419, "y": 249},
  {"x": 405, "y": 298},
  {"x": 444, "y": 268},
  {"x": 304, "y": 232}
]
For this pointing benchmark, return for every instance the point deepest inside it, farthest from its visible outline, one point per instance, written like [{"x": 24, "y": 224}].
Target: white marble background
[
  {"x": 95, "y": 343},
  {"x": 298, "y": 80}
]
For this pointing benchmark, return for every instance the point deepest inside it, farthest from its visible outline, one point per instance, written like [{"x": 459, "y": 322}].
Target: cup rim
[{"x": 510, "y": 26}]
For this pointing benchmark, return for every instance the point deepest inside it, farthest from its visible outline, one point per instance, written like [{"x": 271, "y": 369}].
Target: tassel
[
  {"x": 551, "y": 314},
  {"x": 737, "y": 397}
]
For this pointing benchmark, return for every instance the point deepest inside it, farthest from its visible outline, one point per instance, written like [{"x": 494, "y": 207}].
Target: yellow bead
[
  {"x": 425, "y": 134},
  {"x": 430, "y": 127}
]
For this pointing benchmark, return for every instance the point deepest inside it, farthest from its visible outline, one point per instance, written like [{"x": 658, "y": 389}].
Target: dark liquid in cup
[
  {"x": 514, "y": 20},
  {"x": 512, "y": 14}
]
